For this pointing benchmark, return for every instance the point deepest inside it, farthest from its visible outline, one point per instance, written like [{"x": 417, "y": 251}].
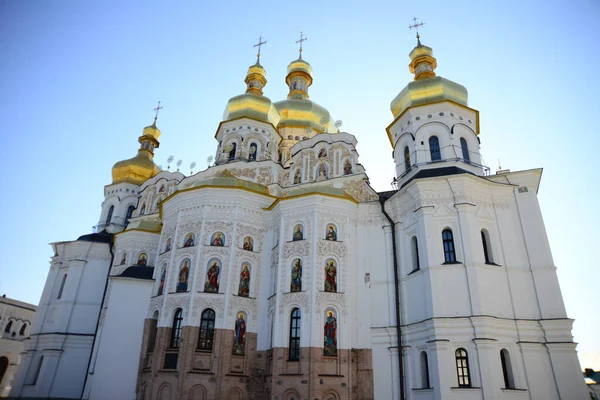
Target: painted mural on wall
[
  {"x": 329, "y": 334},
  {"x": 298, "y": 233},
  {"x": 169, "y": 245},
  {"x": 161, "y": 284},
  {"x": 296, "y": 283},
  {"x": 244, "y": 289},
  {"x": 190, "y": 240},
  {"x": 212, "y": 276},
  {"x": 142, "y": 259},
  {"x": 330, "y": 276},
  {"x": 248, "y": 243},
  {"x": 331, "y": 233},
  {"x": 217, "y": 239},
  {"x": 239, "y": 337},
  {"x": 347, "y": 168},
  {"x": 184, "y": 273}
]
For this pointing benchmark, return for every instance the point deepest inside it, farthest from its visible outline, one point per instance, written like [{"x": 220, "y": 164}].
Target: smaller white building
[{"x": 15, "y": 323}]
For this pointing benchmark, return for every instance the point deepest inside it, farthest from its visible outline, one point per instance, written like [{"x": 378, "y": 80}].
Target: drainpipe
[{"x": 397, "y": 292}]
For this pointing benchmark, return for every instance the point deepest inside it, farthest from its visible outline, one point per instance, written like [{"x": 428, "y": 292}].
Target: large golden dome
[
  {"x": 253, "y": 104},
  {"x": 298, "y": 111},
  {"x": 140, "y": 168},
  {"x": 427, "y": 87}
]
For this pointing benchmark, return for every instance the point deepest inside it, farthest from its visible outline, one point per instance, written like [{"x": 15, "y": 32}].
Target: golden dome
[
  {"x": 252, "y": 104},
  {"x": 140, "y": 168},
  {"x": 298, "y": 111},
  {"x": 136, "y": 170},
  {"x": 427, "y": 87}
]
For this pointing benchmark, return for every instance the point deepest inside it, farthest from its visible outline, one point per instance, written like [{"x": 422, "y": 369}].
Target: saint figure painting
[
  {"x": 169, "y": 245},
  {"x": 296, "y": 283},
  {"x": 330, "y": 276},
  {"x": 298, "y": 234},
  {"x": 239, "y": 335},
  {"x": 189, "y": 240},
  {"x": 217, "y": 239},
  {"x": 329, "y": 337},
  {"x": 142, "y": 259},
  {"x": 331, "y": 233},
  {"x": 248, "y": 243},
  {"x": 244, "y": 289},
  {"x": 212, "y": 276},
  {"x": 161, "y": 285},
  {"x": 184, "y": 273}
]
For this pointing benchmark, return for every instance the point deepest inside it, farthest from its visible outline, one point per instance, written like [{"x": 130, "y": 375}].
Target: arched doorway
[{"x": 3, "y": 367}]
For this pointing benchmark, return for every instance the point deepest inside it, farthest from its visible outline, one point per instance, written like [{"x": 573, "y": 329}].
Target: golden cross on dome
[
  {"x": 259, "y": 44},
  {"x": 302, "y": 39},
  {"x": 416, "y": 26},
  {"x": 157, "y": 109}
]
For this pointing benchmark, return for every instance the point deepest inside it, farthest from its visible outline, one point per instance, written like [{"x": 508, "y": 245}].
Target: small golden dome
[
  {"x": 427, "y": 87},
  {"x": 303, "y": 113},
  {"x": 253, "y": 104},
  {"x": 299, "y": 65},
  {"x": 152, "y": 130},
  {"x": 136, "y": 170}
]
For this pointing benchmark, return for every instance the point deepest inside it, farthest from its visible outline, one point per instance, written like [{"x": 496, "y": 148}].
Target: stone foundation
[{"x": 257, "y": 375}]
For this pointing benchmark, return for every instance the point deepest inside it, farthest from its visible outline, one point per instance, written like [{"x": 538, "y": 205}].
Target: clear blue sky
[{"x": 79, "y": 80}]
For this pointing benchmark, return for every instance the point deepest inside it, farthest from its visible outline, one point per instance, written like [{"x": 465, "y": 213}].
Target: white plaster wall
[{"x": 120, "y": 340}]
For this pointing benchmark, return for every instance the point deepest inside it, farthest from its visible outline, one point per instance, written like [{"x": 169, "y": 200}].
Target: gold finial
[
  {"x": 157, "y": 109},
  {"x": 259, "y": 44},
  {"x": 302, "y": 39},
  {"x": 415, "y": 25}
]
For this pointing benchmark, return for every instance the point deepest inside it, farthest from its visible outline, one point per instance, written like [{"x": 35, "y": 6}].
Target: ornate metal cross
[
  {"x": 416, "y": 25},
  {"x": 259, "y": 44},
  {"x": 157, "y": 109},
  {"x": 302, "y": 39}
]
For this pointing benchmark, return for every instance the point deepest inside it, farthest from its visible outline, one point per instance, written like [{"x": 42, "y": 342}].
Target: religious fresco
[
  {"x": 297, "y": 177},
  {"x": 162, "y": 189},
  {"x": 331, "y": 233},
  {"x": 217, "y": 239},
  {"x": 161, "y": 285},
  {"x": 248, "y": 243},
  {"x": 244, "y": 289},
  {"x": 142, "y": 259},
  {"x": 169, "y": 245},
  {"x": 298, "y": 233},
  {"x": 184, "y": 274},
  {"x": 143, "y": 209},
  {"x": 123, "y": 258},
  {"x": 296, "y": 282},
  {"x": 212, "y": 276},
  {"x": 239, "y": 335},
  {"x": 329, "y": 334},
  {"x": 322, "y": 172},
  {"x": 322, "y": 153},
  {"x": 190, "y": 240},
  {"x": 347, "y": 167},
  {"x": 330, "y": 276}
]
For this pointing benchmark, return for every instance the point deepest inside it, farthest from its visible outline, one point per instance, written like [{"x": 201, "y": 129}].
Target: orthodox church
[{"x": 280, "y": 273}]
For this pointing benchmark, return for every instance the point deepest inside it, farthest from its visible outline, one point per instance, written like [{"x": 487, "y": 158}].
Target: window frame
[
  {"x": 294, "y": 334},
  {"x": 425, "y": 382},
  {"x": 207, "y": 326},
  {"x": 176, "y": 329},
  {"x": 463, "y": 373},
  {"x": 449, "y": 246},
  {"x": 434, "y": 148},
  {"x": 416, "y": 262},
  {"x": 464, "y": 146}
]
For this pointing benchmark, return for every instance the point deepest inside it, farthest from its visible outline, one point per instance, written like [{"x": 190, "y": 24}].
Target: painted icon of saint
[
  {"x": 347, "y": 168},
  {"x": 239, "y": 337},
  {"x": 244, "y": 289},
  {"x": 184, "y": 272},
  {"x": 297, "y": 177},
  {"x": 329, "y": 337},
  {"x": 162, "y": 189},
  {"x": 161, "y": 285},
  {"x": 143, "y": 209},
  {"x": 142, "y": 259},
  {"x": 322, "y": 153},
  {"x": 298, "y": 234},
  {"x": 189, "y": 240},
  {"x": 330, "y": 277},
  {"x": 212, "y": 278},
  {"x": 296, "y": 284},
  {"x": 217, "y": 239},
  {"x": 331, "y": 233},
  {"x": 322, "y": 172},
  {"x": 248, "y": 243},
  {"x": 169, "y": 245}
]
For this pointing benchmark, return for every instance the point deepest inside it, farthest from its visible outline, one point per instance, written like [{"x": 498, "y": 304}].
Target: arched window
[
  {"x": 152, "y": 332},
  {"x": 294, "y": 345},
  {"x": 424, "y": 370},
  {"x": 253, "y": 152},
  {"x": 462, "y": 368},
  {"x": 110, "y": 213},
  {"x": 465, "y": 150},
  {"x": 486, "y": 246},
  {"x": 8, "y": 327},
  {"x": 129, "y": 214},
  {"x": 434, "y": 148},
  {"x": 414, "y": 244},
  {"x": 207, "y": 330},
  {"x": 509, "y": 380},
  {"x": 406, "y": 158},
  {"x": 62, "y": 286},
  {"x": 232, "y": 151},
  {"x": 176, "y": 329},
  {"x": 23, "y": 328},
  {"x": 449, "y": 252}
]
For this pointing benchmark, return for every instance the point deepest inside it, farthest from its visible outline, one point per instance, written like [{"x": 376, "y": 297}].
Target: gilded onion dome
[
  {"x": 253, "y": 104},
  {"x": 298, "y": 111},
  {"x": 140, "y": 168},
  {"x": 427, "y": 87}
]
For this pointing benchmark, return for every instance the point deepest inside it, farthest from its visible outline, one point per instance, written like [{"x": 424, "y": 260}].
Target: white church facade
[{"x": 280, "y": 273}]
